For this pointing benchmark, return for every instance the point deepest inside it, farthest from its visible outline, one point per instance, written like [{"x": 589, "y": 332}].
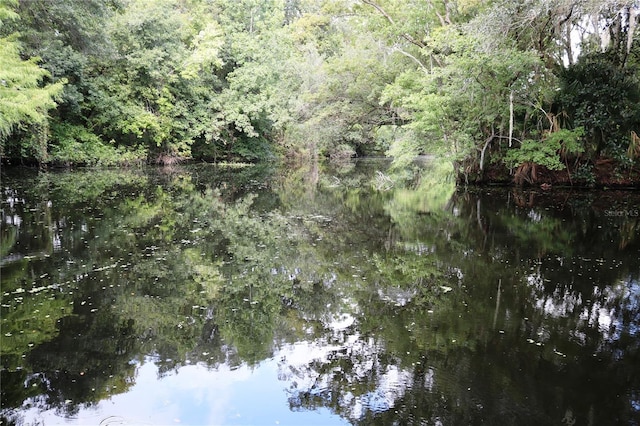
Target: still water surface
[{"x": 315, "y": 296}]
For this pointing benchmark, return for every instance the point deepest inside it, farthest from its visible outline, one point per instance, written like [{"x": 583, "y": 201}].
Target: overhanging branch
[{"x": 388, "y": 17}]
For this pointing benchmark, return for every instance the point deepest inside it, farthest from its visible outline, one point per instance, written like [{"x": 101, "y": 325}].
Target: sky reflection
[{"x": 201, "y": 395}]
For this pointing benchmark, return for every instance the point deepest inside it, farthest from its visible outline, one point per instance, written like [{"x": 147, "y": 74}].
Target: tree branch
[
  {"x": 416, "y": 60},
  {"x": 484, "y": 148},
  {"x": 388, "y": 17},
  {"x": 381, "y": 10},
  {"x": 446, "y": 19}
]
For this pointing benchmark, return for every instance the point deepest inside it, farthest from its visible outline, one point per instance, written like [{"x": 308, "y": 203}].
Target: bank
[{"x": 601, "y": 173}]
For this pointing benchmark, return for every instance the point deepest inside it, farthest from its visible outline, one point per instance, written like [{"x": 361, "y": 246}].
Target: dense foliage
[{"x": 487, "y": 83}]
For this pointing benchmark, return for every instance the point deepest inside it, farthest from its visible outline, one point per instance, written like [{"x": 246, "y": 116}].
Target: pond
[{"x": 208, "y": 295}]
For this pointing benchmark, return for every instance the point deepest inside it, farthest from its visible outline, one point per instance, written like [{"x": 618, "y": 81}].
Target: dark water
[{"x": 351, "y": 295}]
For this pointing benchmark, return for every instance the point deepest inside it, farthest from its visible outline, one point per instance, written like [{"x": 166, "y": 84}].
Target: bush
[
  {"x": 342, "y": 152},
  {"x": 75, "y": 145},
  {"x": 603, "y": 98},
  {"x": 549, "y": 152},
  {"x": 584, "y": 174}
]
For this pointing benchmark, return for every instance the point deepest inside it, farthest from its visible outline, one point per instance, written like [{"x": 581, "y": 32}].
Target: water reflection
[{"x": 209, "y": 295}]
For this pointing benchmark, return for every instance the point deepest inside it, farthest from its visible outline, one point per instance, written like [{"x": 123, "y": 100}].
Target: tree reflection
[
  {"x": 426, "y": 305},
  {"x": 518, "y": 334}
]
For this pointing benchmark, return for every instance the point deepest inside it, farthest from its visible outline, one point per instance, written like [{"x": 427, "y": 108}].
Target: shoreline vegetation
[
  {"x": 539, "y": 94},
  {"x": 605, "y": 173}
]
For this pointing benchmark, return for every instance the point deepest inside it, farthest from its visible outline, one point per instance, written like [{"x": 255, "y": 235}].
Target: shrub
[
  {"x": 548, "y": 152},
  {"x": 75, "y": 145}
]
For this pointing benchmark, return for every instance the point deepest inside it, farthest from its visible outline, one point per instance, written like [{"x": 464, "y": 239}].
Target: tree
[
  {"x": 258, "y": 81},
  {"x": 24, "y": 99},
  {"x": 502, "y": 79},
  {"x": 176, "y": 79},
  {"x": 150, "y": 95},
  {"x": 604, "y": 99}
]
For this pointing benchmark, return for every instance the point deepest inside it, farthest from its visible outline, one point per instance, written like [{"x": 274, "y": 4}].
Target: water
[{"x": 335, "y": 295}]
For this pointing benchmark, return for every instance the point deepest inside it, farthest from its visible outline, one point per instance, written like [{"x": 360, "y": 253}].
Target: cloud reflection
[{"x": 199, "y": 395}]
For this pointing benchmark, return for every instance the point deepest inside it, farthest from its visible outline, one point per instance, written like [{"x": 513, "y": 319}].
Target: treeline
[{"x": 519, "y": 86}]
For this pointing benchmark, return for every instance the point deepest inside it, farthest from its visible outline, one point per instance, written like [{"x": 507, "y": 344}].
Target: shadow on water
[{"x": 348, "y": 294}]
